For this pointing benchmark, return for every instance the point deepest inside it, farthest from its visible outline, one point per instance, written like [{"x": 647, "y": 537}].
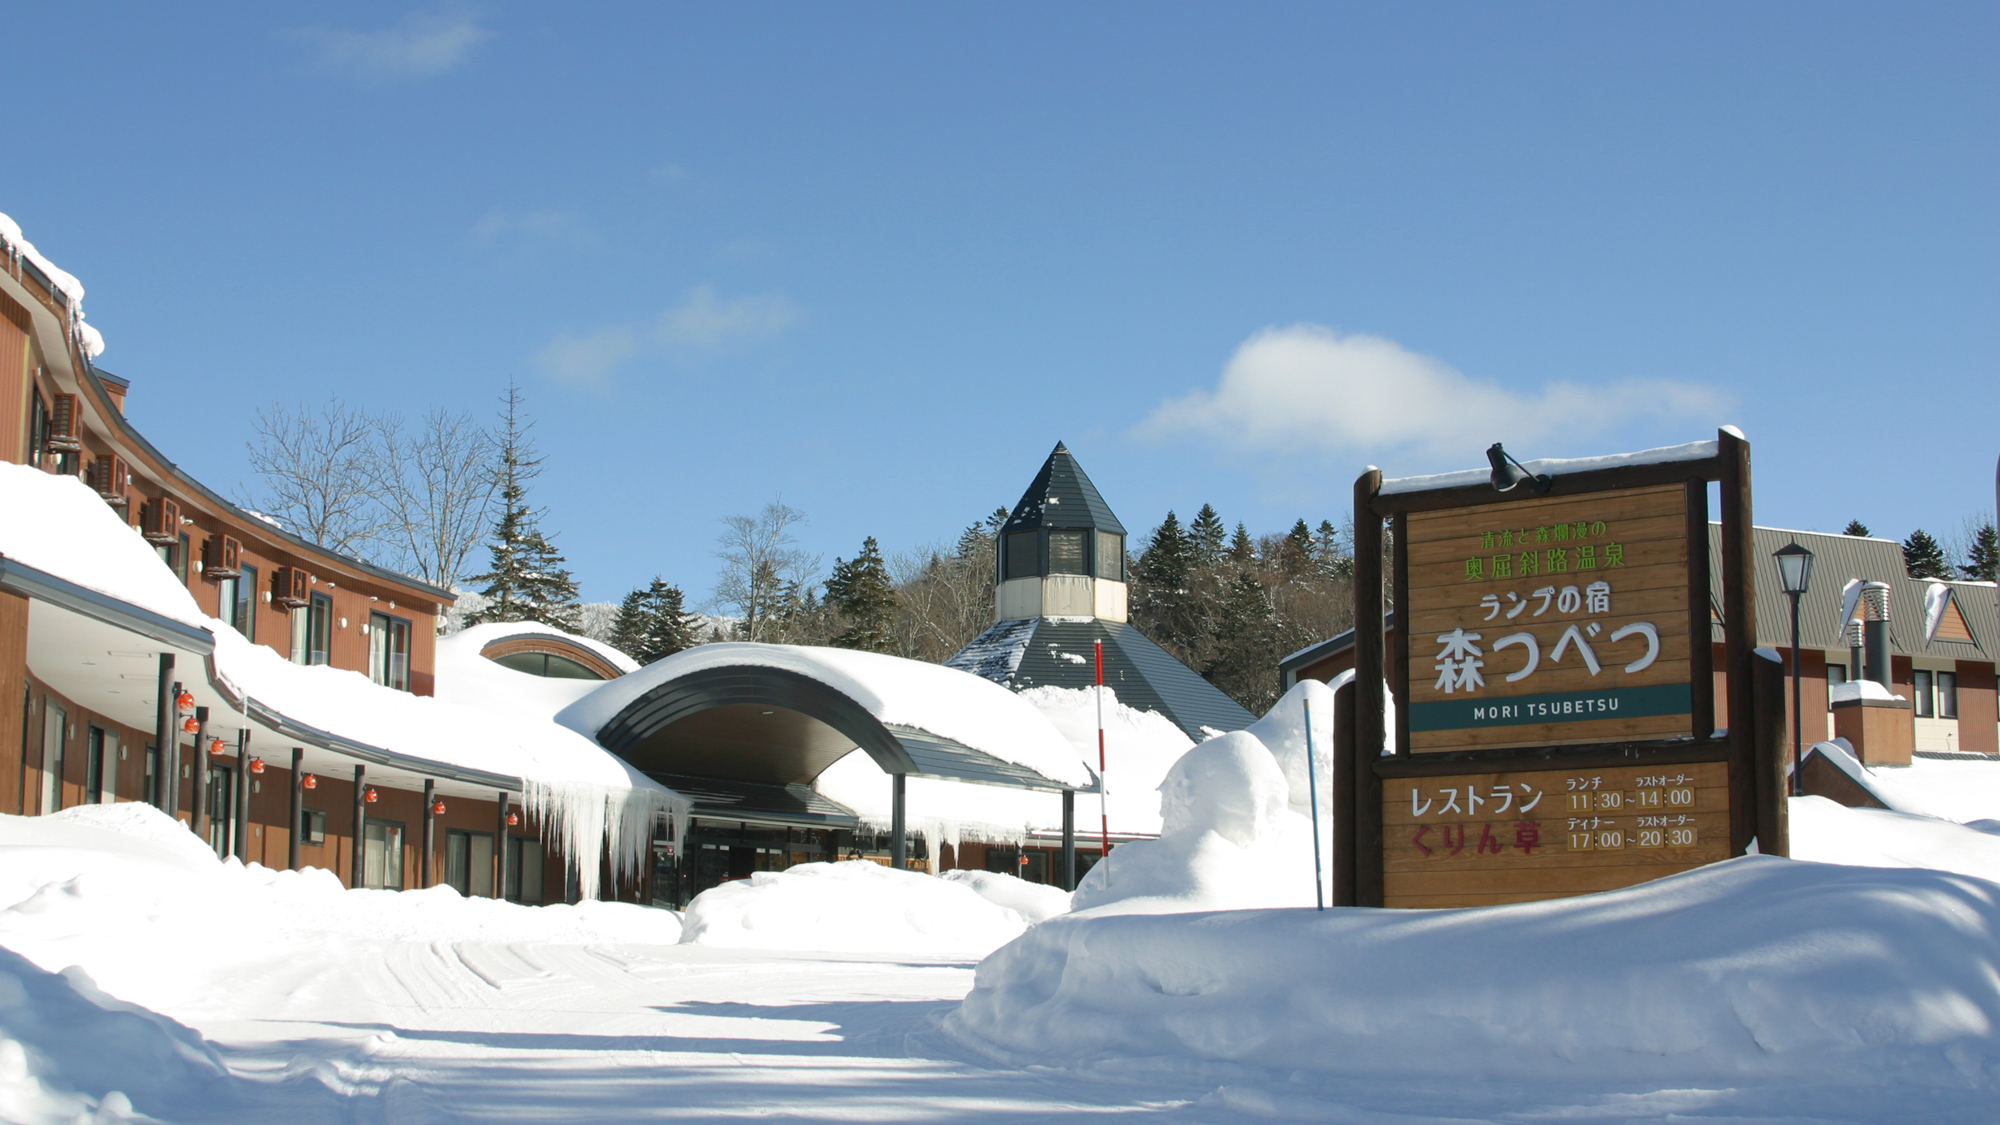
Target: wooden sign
[
  {"x": 1515, "y": 836},
  {"x": 1550, "y": 621},
  {"x": 1554, "y": 728}
]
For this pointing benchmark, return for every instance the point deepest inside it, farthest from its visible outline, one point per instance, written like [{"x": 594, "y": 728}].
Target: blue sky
[{"x": 878, "y": 259}]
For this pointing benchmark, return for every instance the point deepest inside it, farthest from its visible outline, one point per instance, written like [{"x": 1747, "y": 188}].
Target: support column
[
  {"x": 500, "y": 850},
  {"x": 298, "y": 810},
  {"x": 242, "y": 849},
  {"x": 1069, "y": 840},
  {"x": 427, "y": 872},
  {"x": 164, "y": 736},
  {"x": 899, "y": 844},
  {"x": 360, "y": 826},
  {"x": 198, "y": 763}
]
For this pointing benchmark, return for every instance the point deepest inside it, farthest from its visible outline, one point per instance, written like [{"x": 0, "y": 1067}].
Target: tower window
[
  {"x": 1021, "y": 552},
  {"x": 1111, "y": 556},
  {"x": 1066, "y": 552}
]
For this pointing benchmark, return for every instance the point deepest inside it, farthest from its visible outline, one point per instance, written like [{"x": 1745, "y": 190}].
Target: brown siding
[
  {"x": 1978, "y": 708},
  {"x": 16, "y": 379},
  {"x": 14, "y": 726}
]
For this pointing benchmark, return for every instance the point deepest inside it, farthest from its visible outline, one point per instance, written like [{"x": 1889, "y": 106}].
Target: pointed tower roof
[{"x": 1061, "y": 496}]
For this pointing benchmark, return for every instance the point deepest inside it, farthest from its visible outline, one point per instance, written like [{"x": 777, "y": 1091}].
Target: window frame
[
  {"x": 312, "y": 828},
  {"x": 244, "y": 617},
  {"x": 1947, "y": 694},
  {"x": 385, "y": 631},
  {"x": 1081, "y": 537},
  {"x": 1021, "y": 555},
  {"x": 1920, "y": 684},
  {"x": 1109, "y": 562}
]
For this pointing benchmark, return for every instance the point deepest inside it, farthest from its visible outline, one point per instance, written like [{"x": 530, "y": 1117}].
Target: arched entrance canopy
[{"x": 742, "y": 727}]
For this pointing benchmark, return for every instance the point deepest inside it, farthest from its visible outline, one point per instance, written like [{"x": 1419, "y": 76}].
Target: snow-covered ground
[{"x": 1762, "y": 989}]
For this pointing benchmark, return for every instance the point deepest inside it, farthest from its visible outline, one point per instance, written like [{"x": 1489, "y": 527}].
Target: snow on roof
[
  {"x": 943, "y": 701},
  {"x": 1859, "y": 689},
  {"x": 64, "y": 281},
  {"x": 60, "y": 525},
  {"x": 1556, "y": 467},
  {"x": 477, "y": 637}
]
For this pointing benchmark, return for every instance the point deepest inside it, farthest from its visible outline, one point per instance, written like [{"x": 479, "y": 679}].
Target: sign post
[{"x": 1554, "y": 681}]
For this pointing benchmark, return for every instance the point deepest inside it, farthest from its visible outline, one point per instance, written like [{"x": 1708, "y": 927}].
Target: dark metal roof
[
  {"x": 1058, "y": 652},
  {"x": 727, "y": 799},
  {"x": 1332, "y": 646},
  {"x": 1061, "y": 496},
  {"x": 1838, "y": 559}
]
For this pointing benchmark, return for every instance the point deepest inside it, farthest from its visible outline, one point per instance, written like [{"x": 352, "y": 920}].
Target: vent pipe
[
  {"x": 1875, "y": 631},
  {"x": 1855, "y": 636}
]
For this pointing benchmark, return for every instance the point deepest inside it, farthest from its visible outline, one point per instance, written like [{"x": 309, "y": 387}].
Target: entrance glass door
[{"x": 221, "y": 810}]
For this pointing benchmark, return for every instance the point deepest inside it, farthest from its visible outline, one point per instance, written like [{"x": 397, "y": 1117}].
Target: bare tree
[
  {"x": 436, "y": 489},
  {"x": 318, "y": 468},
  {"x": 764, "y": 572},
  {"x": 944, "y": 596}
]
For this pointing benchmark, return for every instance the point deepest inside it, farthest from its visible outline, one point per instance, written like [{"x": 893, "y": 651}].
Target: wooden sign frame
[{"x": 1750, "y": 747}]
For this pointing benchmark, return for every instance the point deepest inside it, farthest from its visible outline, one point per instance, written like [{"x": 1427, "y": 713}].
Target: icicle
[{"x": 586, "y": 820}]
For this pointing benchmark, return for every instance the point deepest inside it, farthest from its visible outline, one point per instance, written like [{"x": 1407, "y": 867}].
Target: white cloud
[
  {"x": 565, "y": 227},
  {"x": 703, "y": 324},
  {"x": 421, "y": 44},
  {"x": 1309, "y": 389}
]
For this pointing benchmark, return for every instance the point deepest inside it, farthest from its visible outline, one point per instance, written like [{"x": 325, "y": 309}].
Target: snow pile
[
  {"x": 60, "y": 525},
  {"x": 1966, "y": 790},
  {"x": 1034, "y": 902},
  {"x": 910, "y": 693},
  {"x": 1236, "y": 827},
  {"x": 1755, "y": 969},
  {"x": 851, "y": 907},
  {"x": 1826, "y": 832},
  {"x": 1859, "y": 689}
]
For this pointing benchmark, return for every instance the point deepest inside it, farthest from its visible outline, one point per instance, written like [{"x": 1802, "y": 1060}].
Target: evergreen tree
[
  {"x": 1923, "y": 558},
  {"x": 1982, "y": 559},
  {"x": 1246, "y": 645},
  {"x": 1856, "y": 527},
  {"x": 673, "y": 627},
  {"x": 1242, "y": 551},
  {"x": 527, "y": 581},
  {"x": 634, "y": 621},
  {"x": 1295, "y": 559},
  {"x": 1166, "y": 603},
  {"x": 1331, "y": 551},
  {"x": 860, "y": 592},
  {"x": 1207, "y": 536}
]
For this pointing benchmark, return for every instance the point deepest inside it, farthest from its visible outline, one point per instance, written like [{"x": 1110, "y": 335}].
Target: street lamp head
[
  {"x": 1794, "y": 567},
  {"x": 1508, "y": 473}
]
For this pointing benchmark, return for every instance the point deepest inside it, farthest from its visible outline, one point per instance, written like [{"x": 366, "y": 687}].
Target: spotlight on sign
[{"x": 1509, "y": 473}]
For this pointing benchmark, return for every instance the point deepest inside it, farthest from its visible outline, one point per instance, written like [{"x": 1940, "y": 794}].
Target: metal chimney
[
  {"x": 1875, "y": 631},
  {"x": 1856, "y": 639}
]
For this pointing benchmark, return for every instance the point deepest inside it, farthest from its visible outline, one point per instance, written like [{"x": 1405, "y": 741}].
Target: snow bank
[
  {"x": 851, "y": 907},
  {"x": 1758, "y": 968},
  {"x": 1826, "y": 832},
  {"x": 131, "y": 893},
  {"x": 1964, "y": 790},
  {"x": 929, "y": 697},
  {"x": 1034, "y": 902}
]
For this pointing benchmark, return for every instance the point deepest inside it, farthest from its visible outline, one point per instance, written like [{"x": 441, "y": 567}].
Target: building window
[
  {"x": 389, "y": 651},
  {"x": 150, "y": 790},
  {"x": 100, "y": 768},
  {"x": 1836, "y": 674},
  {"x": 312, "y": 827},
  {"x": 1022, "y": 552},
  {"x": 468, "y": 862},
  {"x": 55, "y": 723},
  {"x": 524, "y": 870},
  {"x": 312, "y": 630},
  {"x": 245, "y": 614},
  {"x": 225, "y": 600},
  {"x": 1111, "y": 556},
  {"x": 382, "y": 855},
  {"x": 1923, "y": 693},
  {"x": 181, "y": 558},
  {"x": 546, "y": 664},
  {"x": 1947, "y": 695},
  {"x": 1066, "y": 552}
]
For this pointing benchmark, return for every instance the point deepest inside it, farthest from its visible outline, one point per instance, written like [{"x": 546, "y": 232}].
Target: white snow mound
[
  {"x": 1034, "y": 902},
  {"x": 853, "y": 906},
  {"x": 1757, "y": 968}
]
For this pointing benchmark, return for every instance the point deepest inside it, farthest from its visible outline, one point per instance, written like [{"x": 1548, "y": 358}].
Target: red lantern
[
  {"x": 256, "y": 765},
  {"x": 309, "y": 782},
  {"x": 184, "y": 702},
  {"x": 190, "y": 725},
  {"x": 513, "y": 818},
  {"x": 215, "y": 746},
  {"x": 371, "y": 796},
  {"x": 437, "y": 809}
]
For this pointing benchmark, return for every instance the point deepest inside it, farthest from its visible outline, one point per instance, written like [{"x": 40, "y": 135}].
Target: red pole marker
[{"x": 1103, "y": 797}]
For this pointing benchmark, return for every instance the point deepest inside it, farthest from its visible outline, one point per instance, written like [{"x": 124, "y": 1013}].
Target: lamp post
[
  {"x": 1795, "y": 575},
  {"x": 1507, "y": 472}
]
